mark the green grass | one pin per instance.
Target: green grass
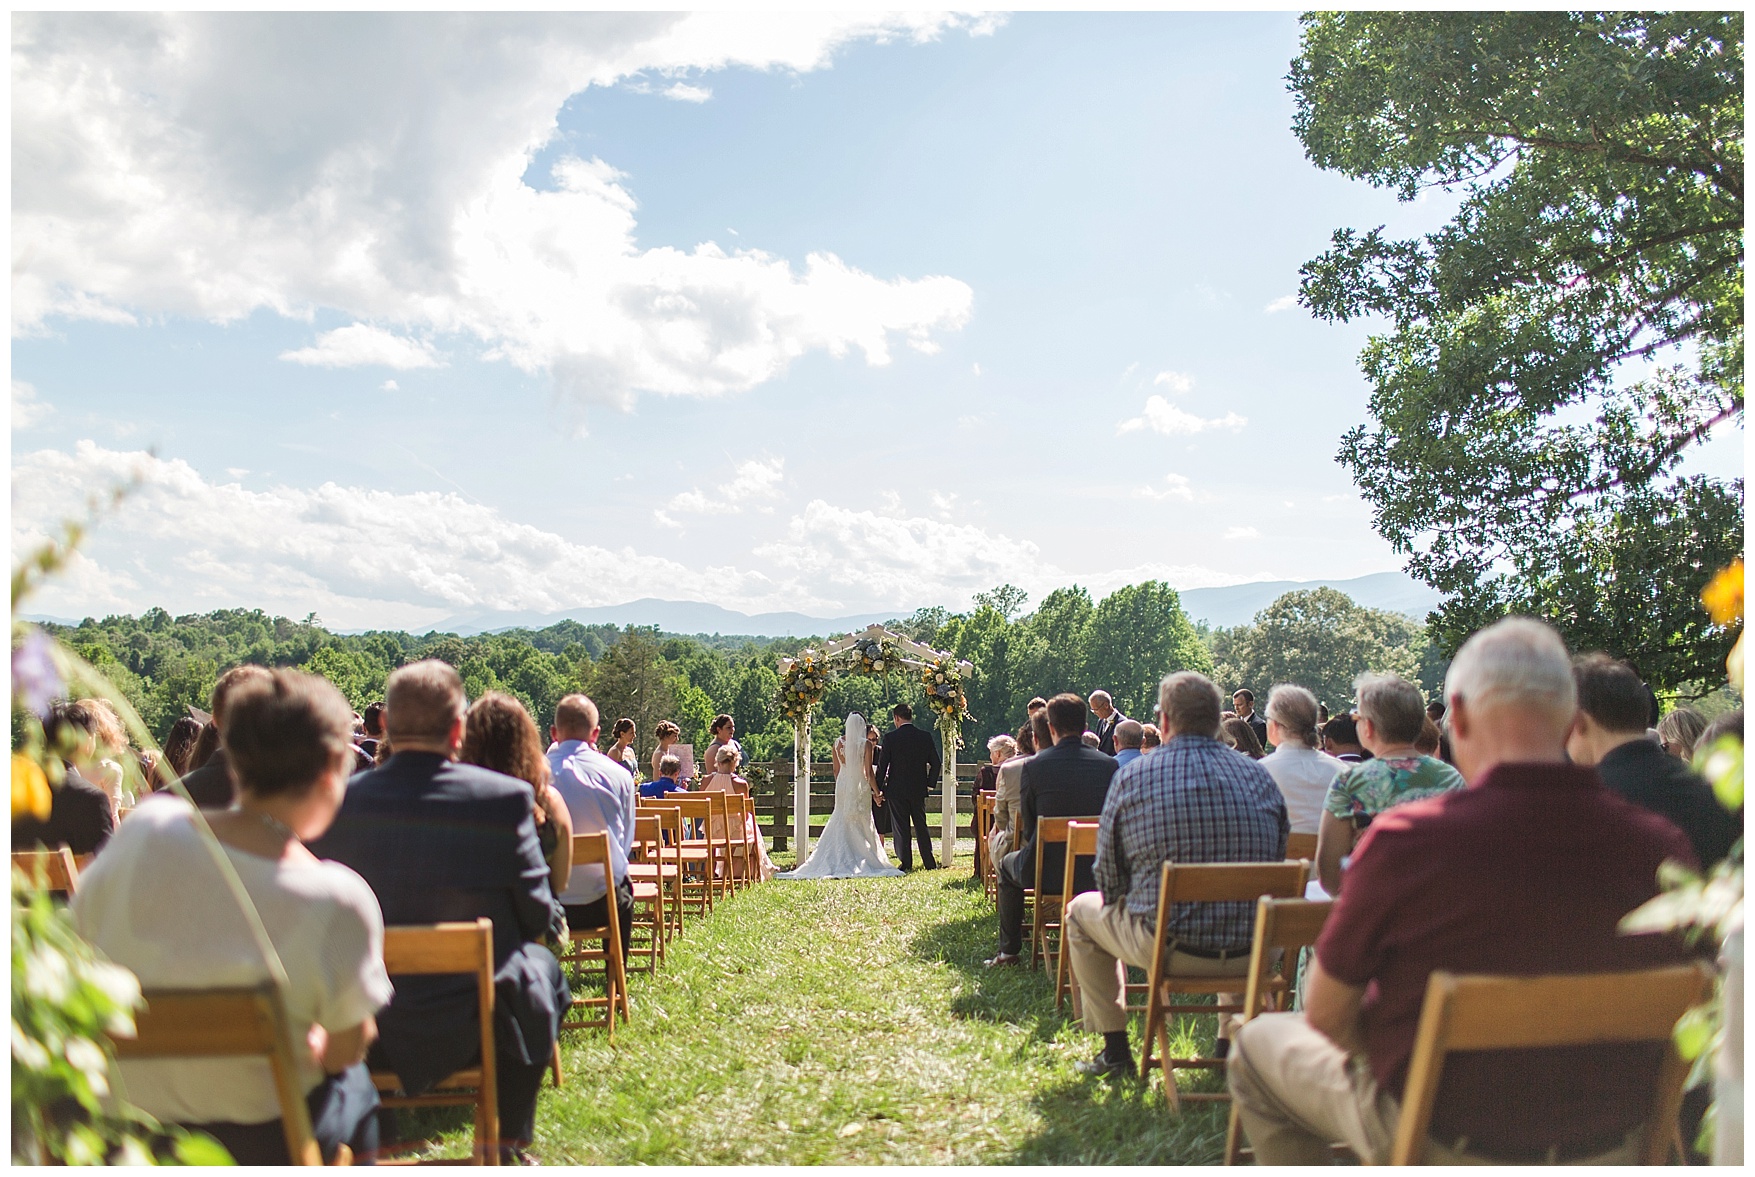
(851, 1022)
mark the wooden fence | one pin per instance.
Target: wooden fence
(771, 785)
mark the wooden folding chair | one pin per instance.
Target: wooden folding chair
(1045, 919)
(593, 850)
(1525, 1013)
(646, 876)
(669, 856)
(1081, 842)
(737, 835)
(984, 800)
(1282, 927)
(703, 848)
(239, 1022)
(1204, 882)
(53, 871)
(425, 950)
(1300, 846)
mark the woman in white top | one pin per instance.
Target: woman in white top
(158, 903)
(1303, 773)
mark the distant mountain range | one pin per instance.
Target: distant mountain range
(1237, 604)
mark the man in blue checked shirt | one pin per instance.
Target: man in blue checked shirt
(1192, 800)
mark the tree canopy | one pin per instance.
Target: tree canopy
(1558, 349)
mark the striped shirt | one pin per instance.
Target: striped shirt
(1192, 800)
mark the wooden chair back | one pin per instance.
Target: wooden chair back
(700, 809)
(1046, 916)
(462, 947)
(984, 802)
(1301, 846)
(1517, 1013)
(693, 857)
(244, 1021)
(593, 850)
(1081, 842)
(53, 871)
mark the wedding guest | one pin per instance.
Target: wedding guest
(210, 783)
(1036, 703)
(1105, 717)
(1390, 717)
(1243, 702)
(1321, 715)
(1429, 741)
(154, 772)
(206, 744)
(724, 733)
(372, 719)
(1193, 800)
(1528, 871)
(622, 751)
(1089, 739)
(1679, 732)
(1728, 724)
(1010, 784)
(155, 903)
(1129, 734)
(599, 793)
(665, 783)
(500, 735)
(103, 767)
(1340, 739)
(179, 743)
(725, 779)
(1609, 734)
(437, 841)
(80, 815)
(1303, 773)
(1000, 749)
(1069, 778)
(1025, 739)
(667, 734)
(1237, 733)
(1150, 738)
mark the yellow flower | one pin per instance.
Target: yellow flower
(1723, 598)
(30, 789)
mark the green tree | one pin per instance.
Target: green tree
(1137, 635)
(351, 671)
(634, 681)
(1558, 349)
(1061, 627)
(1320, 639)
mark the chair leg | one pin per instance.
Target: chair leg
(554, 1062)
(1234, 1138)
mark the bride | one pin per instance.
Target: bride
(850, 847)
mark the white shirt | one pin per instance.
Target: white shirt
(156, 902)
(599, 793)
(1304, 775)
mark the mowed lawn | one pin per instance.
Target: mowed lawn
(851, 1022)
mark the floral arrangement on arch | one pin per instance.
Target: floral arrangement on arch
(875, 656)
(943, 684)
(802, 685)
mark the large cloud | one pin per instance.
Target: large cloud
(212, 165)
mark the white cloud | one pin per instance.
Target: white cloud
(683, 92)
(1160, 416)
(1242, 533)
(1284, 303)
(361, 345)
(753, 480)
(27, 407)
(975, 368)
(389, 386)
(183, 164)
(1174, 381)
(1176, 486)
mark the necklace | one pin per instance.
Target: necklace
(275, 824)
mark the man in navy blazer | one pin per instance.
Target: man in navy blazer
(437, 841)
(907, 764)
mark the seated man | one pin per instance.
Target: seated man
(1610, 734)
(666, 784)
(80, 815)
(1340, 739)
(1068, 779)
(1129, 735)
(1193, 800)
(1528, 870)
(438, 841)
(211, 786)
(599, 793)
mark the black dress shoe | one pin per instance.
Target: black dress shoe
(1105, 1067)
(1004, 960)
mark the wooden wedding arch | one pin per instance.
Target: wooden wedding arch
(875, 651)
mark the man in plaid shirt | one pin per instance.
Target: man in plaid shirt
(1193, 800)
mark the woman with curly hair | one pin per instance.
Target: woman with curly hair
(499, 734)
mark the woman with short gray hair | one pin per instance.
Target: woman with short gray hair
(1302, 771)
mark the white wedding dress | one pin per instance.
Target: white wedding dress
(850, 847)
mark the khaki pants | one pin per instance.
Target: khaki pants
(1296, 1092)
(1102, 938)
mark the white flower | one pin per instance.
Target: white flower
(938, 678)
(878, 665)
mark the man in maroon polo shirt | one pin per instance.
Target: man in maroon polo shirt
(1527, 871)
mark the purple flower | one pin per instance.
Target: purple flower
(35, 681)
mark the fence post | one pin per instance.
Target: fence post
(780, 795)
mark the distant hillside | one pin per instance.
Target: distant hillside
(1237, 604)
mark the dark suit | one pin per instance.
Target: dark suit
(79, 816)
(907, 765)
(438, 841)
(1651, 778)
(1258, 725)
(1105, 730)
(211, 786)
(1067, 780)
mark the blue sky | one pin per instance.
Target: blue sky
(483, 328)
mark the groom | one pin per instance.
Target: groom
(907, 764)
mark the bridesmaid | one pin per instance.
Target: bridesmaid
(668, 733)
(623, 750)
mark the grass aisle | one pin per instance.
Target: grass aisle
(850, 1021)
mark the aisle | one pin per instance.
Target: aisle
(850, 1022)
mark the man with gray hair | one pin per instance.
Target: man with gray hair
(1527, 871)
(1193, 800)
(1106, 717)
(1129, 734)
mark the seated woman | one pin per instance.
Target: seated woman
(499, 734)
(725, 780)
(156, 901)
